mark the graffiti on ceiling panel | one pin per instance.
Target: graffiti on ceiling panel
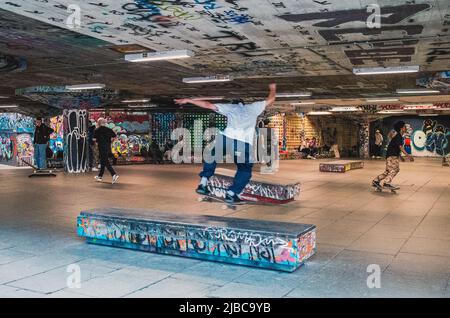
(264, 30)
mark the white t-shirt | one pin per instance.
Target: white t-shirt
(241, 119)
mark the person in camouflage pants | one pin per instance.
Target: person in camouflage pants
(394, 149)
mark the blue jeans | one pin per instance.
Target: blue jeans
(243, 161)
(40, 156)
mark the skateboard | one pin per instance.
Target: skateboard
(380, 189)
(39, 172)
(226, 205)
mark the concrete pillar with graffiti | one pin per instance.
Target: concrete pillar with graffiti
(76, 150)
(364, 140)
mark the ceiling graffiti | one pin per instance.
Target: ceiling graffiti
(9, 63)
(260, 37)
(304, 44)
(62, 98)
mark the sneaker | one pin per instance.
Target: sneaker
(232, 199)
(390, 187)
(115, 178)
(94, 169)
(98, 179)
(201, 189)
(376, 184)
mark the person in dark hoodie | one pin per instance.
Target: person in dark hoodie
(103, 136)
(41, 138)
(394, 149)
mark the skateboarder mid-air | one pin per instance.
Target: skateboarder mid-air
(240, 132)
(394, 149)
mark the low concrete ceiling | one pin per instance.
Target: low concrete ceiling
(299, 44)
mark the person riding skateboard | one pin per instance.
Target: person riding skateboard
(394, 149)
(240, 133)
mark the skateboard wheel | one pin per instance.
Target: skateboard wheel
(224, 207)
(200, 199)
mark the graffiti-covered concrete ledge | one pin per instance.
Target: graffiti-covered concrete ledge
(340, 166)
(271, 245)
(269, 189)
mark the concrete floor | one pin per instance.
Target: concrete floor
(407, 235)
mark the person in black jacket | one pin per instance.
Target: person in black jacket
(41, 138)
(103, 136)
(394, 149)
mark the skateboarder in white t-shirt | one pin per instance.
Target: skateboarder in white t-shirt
(240, 132)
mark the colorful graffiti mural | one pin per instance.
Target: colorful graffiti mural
(6, 147)
(132, 143)
(25, 149)
(57, 138)
(425, 137)
(15, 122)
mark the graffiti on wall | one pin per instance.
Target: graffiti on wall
(14, 122)
(57, 137)
(25, 149)
(132, 143)
(76, 141)
(6, 147)
(425, 137)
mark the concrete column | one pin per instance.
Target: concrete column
(76, 149)
(364, 141)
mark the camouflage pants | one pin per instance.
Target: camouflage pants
(392, 169)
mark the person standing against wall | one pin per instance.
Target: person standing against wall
(378, 143)
(41, 138)
(335, 145)
(103, 136)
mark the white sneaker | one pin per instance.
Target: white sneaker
(115, 178)
(94, 169)
(98, 179)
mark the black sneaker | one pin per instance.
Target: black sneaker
(376, 184)
(390, 187)
(201, 189)
(232, 198)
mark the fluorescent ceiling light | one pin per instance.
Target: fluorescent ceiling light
(345, 109)
(319, 113)
(426, 115)
(158, 56)
(417, 91)
(385, 70)
(208, 79)
(85, 86)
(301, 104)
(300, 94)
(419, 106)
(392, 111)
(9, 106)
(136, 101)
(6, 97)
(208, 98)
(381, 100)
(143, 106)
